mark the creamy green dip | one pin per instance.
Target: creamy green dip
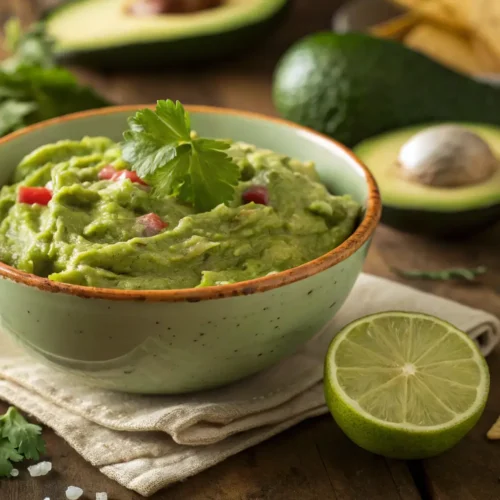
(89, 233)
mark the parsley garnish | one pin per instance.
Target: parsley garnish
(32, 87)
(18, 440)
(160, 148)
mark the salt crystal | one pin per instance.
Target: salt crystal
(101, 496)
(73, 493)
(46, 498)
(40, 469)
(14, 473)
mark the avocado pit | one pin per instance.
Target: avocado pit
(446, 156)
(141, 8)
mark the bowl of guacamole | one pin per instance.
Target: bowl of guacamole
(172, 249)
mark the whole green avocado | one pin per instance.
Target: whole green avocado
(354, 86)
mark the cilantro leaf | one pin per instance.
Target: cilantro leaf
(13, 113)
(18, 440)
(22, 435)
(160, 148)
(32, 87)
(55, 91)
(212, 188)
(8, 454)
(33, 48)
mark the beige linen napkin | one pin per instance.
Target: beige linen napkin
(146, 443)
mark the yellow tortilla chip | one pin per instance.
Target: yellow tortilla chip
(394, 28)
(494, 432)
(446, 47)
(488, 26)
(485, 56)
(455, 14)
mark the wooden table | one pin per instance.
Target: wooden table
(314, 460)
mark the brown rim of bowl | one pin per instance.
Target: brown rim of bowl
(338, 254)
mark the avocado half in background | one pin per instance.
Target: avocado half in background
(439, 180)
(149, 33)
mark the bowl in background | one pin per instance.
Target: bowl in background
(174, 341)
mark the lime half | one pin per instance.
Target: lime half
(405, 385)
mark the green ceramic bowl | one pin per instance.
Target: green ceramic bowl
(177, 341)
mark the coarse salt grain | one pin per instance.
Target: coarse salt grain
(73, 493)
(14, 473)
(40, 469)
(101, 496)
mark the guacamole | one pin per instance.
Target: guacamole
(75, 213)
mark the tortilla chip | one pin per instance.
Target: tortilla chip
(395, 28)
(446, 47)
(455, 14)
(485, 56)
(494, 432)
(488, 26)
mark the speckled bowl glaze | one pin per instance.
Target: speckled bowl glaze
(176, 341)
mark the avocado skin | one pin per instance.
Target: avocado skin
(441, 224)
(354, 86)
(161, 53)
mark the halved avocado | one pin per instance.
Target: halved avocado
(422, 208)
(107, 33)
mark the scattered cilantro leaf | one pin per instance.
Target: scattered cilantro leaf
(18, 440)
(22, 435)
(160, 148)
(32, 87)
(8, 454)
(468, 274)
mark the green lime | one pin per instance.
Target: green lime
(405, 385)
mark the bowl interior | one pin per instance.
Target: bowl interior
(337, 167)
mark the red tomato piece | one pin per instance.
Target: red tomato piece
(32, 195)
(107, 173)
(128, 174)
(110, 173)
(257, 194)
(153, 224)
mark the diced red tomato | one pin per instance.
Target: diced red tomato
(128, 174)
(153, 224)
(257, 194)
(32, 195)
(110, 173)
(107, 173)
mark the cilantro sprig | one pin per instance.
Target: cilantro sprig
(160, 147)
(18, 440)
(32, 87)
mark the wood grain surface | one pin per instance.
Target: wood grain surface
(314, 460)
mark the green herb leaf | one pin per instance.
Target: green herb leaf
(13, 113)
(32, 87)
(468, 274)
(18, 440)
(33, 48)
(22, 435)
(8, 454)
(160, 148)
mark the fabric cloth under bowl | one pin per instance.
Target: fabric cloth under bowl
(148, 442)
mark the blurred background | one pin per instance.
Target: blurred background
(242, 80)
(238, 72)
